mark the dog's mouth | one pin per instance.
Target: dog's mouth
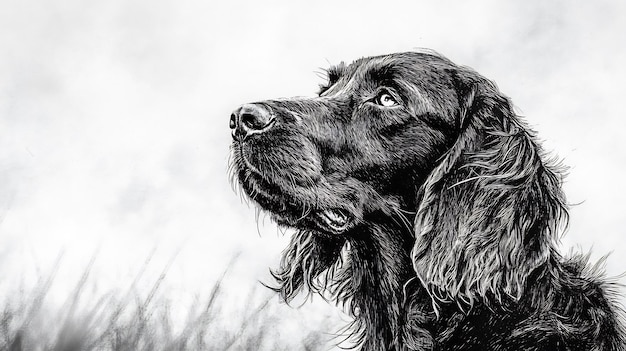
(286, 210)
(292, 207)
(334, 219)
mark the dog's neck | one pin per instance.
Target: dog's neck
(373, 279)
(379, 271)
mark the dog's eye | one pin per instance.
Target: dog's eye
(385, 99)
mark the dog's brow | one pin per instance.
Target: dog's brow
(382, 74)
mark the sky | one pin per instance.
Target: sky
(114, 120)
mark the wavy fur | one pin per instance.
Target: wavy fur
(446, 213)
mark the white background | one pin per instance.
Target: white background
(114, 119)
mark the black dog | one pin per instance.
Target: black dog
(426, 207)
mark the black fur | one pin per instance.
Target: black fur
(425, 206)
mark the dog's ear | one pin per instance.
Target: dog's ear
(489, 213)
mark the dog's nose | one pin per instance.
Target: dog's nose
(250, 119)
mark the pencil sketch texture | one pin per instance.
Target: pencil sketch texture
(425, 207)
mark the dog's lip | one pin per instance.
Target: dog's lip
(335, 218)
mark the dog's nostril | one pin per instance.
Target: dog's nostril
(250, 119)
(233, 121)
(254, 117)
(253, 122)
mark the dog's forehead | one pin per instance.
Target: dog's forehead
(423, 79)
(426, 78)
(409, 66)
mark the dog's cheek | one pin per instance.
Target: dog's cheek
(288, 160)
(301, 160)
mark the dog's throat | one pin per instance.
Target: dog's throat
(379, 265)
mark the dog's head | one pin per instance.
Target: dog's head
(363, 145)
(411, 135)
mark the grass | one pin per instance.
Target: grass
(133, 320)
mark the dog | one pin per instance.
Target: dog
(426, 207)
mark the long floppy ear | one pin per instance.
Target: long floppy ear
(490, 211)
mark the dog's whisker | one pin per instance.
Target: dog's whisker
(403, 220)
